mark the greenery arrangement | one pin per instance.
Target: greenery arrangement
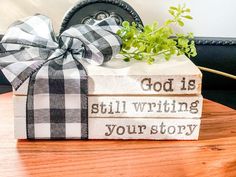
(145, 43)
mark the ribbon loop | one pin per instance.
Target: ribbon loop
(34, 41)
(34, 31)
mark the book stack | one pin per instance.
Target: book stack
(136, 100)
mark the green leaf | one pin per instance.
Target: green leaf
(126, 59)
(125, 24)
(187, 10)
(150, 60)
(137, 57)
(168, 22)
(149, 49)
(188, 17)
(119, 32)
(147, 28)
(142, 48)
(167, 56)
(180, 22)
(172, 12)
(173, 8)
(134, 24)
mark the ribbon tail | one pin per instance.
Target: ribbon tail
(61, 88)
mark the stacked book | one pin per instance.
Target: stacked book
(137, 101)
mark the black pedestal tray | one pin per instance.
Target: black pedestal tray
(84, 10)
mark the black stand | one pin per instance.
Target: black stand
(85, 10)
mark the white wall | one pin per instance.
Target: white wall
(216, 18)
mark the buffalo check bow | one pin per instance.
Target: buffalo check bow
(57, 103)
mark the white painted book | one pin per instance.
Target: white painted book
(126, 106)
(129, 128)
(179, 76)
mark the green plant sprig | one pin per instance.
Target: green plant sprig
(145, 43)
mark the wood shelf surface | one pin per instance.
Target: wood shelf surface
(213, 155)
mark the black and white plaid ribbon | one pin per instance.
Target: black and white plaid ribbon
(57, 106)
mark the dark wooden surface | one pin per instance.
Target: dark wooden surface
(213, 155)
